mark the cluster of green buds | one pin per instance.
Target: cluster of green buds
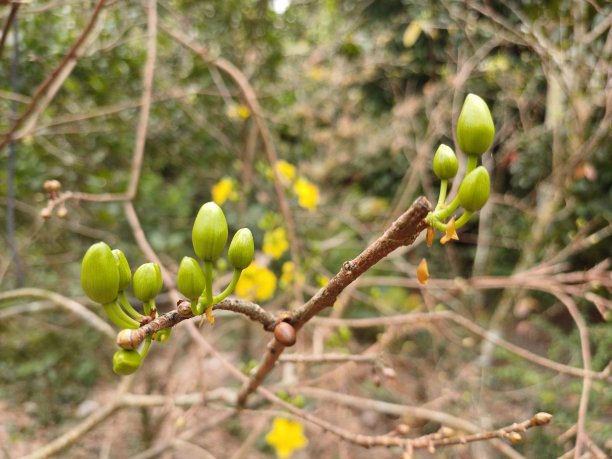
(105, 275)
(475, 133)
(209, 237)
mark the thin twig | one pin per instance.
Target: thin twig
(62, 301)
(70, 57)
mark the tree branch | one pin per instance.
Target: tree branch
(402, 232)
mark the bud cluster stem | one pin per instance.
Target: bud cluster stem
(230, 288)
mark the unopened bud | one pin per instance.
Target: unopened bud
(45, 213)
(125, 274)
(62, 212)
(445, 163)
(241, 249)
(127, 339)
(209, 233)
(190, 280)
(475, 128)
(126, 362)
(147, 282)
(99, 274)
(541, 418)
(475, 189)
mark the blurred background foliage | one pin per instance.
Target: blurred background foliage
(358, 95)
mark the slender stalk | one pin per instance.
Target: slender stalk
(125, 304)
(463, 219)
(145, 348)
(230, 288)
(442, 196)
(443, 214)
(118, 316)
(208, 283)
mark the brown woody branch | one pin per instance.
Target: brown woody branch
(133, 338)
(402, 232)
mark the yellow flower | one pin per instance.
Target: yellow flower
(307, 193)
(286, 436)
(288, 272)
(256, 283)
(286, 170)
(238, 112)
(223, 190)
(275, 243)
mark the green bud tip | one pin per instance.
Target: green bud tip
(242, 249)
(147, 282)
(190, 281)
(126, 362)
(99, 274)
(209, 233)
(445, 163)
(125, 274)
(475, 189)
(475, 128)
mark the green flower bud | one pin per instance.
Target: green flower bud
(147, 282)
(475, 189)
(125, 274)
(241, 249)
(190, 281)
(445, 163)
(99, 274)
(126, 362)
(475, 128)
(209, 233)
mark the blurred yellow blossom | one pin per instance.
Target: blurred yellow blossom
(289, 273)
(322, 280)
(238, 112)
(223, 190)
(307, 193)
(286, 170)
(286, 436)
(256, 283)
(275, 243)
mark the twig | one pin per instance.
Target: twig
(329, 358)
(60, 300)
(7, 25)
(183, 312)
(145, 106)
(415, 318)
(402, 232)
(68, 60)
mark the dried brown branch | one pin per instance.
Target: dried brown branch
(7, 25)
(402, 232)
(69, 59)
(62, 301)
(416, 318)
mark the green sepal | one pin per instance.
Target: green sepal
(147, 282)
(445, 162)
(209, 234)
(475, 128)
(475, 189)
(126, 362)
(241, 249)
(190, 280)
(125, 274)
(99, 274)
